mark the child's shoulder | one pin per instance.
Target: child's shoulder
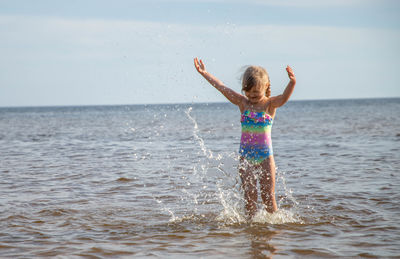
(270, 109)
(243, 105)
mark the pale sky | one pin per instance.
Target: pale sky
(93, 52)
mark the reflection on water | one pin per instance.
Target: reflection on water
(261, 244)
(101, 182)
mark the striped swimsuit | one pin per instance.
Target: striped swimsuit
(256, 144)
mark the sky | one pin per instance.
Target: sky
(100, 52)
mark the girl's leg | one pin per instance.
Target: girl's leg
(249, 186)
(267, 184)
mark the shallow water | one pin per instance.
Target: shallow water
(161, 181)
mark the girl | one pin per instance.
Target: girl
(258, 110)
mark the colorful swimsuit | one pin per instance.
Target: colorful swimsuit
(255, 144)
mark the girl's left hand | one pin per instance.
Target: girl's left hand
(291, 74)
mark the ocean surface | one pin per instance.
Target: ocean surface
(161, 181)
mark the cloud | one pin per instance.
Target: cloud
(287, 3)
(312, 3)
(89, 61)
(102, 38)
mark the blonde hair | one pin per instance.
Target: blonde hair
(256, 75)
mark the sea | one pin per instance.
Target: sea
(161, 181)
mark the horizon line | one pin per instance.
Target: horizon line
(186, 103)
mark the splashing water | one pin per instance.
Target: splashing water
(203, 147)
(219, 171)
(122, 182)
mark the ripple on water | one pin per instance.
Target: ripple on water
(92, 187)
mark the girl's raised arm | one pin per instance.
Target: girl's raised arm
(231, 95)
(278, 101)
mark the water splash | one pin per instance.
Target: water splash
(167, 209)
(214, 182)
(281, 216)
(287, 196)
(203, 147)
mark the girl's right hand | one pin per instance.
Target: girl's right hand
(291, 75)
(199, 66)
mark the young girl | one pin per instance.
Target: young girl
(258, 110)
